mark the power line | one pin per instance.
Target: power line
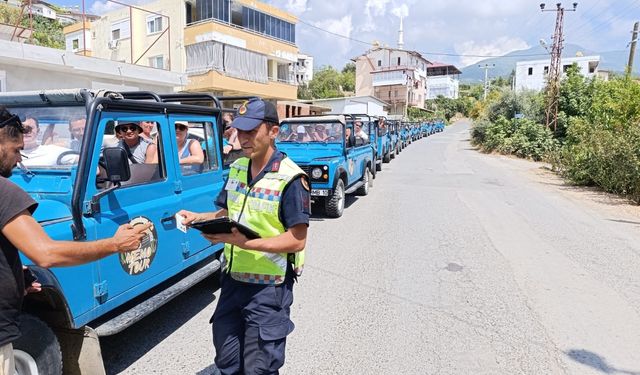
(434, 53)
(421, 52)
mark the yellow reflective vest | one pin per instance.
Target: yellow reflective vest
(258, 207)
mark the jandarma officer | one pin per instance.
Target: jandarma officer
(269, 193)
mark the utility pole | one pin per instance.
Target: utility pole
(486, 68)
(632, 52)
(555, 73)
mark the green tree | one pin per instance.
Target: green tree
(326, 83)
(348, 78)
(46, 32)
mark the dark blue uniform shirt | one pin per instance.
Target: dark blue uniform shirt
(295, 205)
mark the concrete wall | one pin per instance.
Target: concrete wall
(20, 78)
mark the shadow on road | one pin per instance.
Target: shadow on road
(123, 349)
(592, 359)
(318, 213)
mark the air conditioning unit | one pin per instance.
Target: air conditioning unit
(113, 44)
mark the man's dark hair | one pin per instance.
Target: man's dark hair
(10, 125)
(32, 117)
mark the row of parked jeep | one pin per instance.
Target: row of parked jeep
(85, 194)
(343, 153)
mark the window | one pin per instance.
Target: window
(379, 62)
(75, 43)
(196, 145)
(120, 30)
(146, 159)
(546, 70)
(398, 61)
(156, 62)
(530, 71)
(565, 68)
(154, 24)
(395, 93)
(211, 9)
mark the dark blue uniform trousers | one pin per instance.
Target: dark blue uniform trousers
(250, 326)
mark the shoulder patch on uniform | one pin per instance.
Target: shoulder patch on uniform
(275, 166)
(305, 183)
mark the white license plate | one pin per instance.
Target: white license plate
(319, 192)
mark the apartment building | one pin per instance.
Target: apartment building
(532, 75)
(241, 47)
(149, 35)
(226, 47)
(303, 69)
(393, 75)
(442, 80)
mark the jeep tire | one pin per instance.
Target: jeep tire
(37, 351)
(334, 204)
(387, 157)
(366, 179)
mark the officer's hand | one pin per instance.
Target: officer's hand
(189, 217)
(234, 238)
(128, 237)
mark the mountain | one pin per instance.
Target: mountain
(614, 61)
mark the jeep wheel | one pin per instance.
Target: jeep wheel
(366, 179)
(378, 167)
(334, 205)
(387, 157)
(37, 351)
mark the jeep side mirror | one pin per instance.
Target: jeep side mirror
(116, 164)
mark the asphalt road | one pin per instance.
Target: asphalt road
(456, 263)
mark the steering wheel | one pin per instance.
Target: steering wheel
(65, 154)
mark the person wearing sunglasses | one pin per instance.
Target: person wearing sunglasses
(45, 155)
(189, 150)
(138, 149)
(19, 230)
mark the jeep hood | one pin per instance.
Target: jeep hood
(310, 153)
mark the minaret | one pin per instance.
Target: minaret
(401, 36)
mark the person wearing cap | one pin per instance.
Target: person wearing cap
(19, 230)
(139, 149)
(267, 192)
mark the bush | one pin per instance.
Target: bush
(609, 158)
(523, 138)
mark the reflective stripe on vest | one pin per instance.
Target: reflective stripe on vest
(258, 208)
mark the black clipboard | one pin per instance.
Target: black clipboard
(223, 225)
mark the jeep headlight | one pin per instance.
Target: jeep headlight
(316, 173)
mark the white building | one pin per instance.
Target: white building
(27, 67)
(532, 75)
(303, 69)
(369, 105)
(442, 80)
(43, 9)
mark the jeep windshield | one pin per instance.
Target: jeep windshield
(53, 137)
(311, 133)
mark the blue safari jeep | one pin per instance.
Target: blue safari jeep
(86, 187)
(383, 142)
(337, 160)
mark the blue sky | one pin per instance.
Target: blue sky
(452, 31)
